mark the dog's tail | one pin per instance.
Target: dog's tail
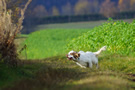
(99, 51)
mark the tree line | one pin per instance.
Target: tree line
(81, 7)
(52, 11)
(77, 18)
(45, 8)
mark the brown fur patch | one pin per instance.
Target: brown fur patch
(75, 54)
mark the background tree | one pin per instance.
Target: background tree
(15, 6)
(55, 11)
(82, 7)
(132, 5)
(108, 8)
(95, 6)
(40, 11)
(124, 5)
(67, 9)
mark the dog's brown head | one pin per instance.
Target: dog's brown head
(75, 55)
(72, 55)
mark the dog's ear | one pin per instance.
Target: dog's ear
(78, 54)
(75, 54)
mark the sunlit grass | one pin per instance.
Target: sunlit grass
(50, 42)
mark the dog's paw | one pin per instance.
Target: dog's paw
(103, 48)
(83, 67)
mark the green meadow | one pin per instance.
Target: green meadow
(118, 36)
(50, 42)
(48, 68)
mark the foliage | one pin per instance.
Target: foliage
(8, 32)
(51, 42)
(117, 36)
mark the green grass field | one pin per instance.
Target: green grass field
(50, 42)
(48, 67)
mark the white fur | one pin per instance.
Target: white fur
(86, 58)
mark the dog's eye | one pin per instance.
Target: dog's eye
(75, 56)
(71, 53)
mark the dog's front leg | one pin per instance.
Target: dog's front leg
(90, 64)
(80, 65)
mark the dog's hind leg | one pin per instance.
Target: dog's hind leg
(97, 66)
(90, 64)
(87, 64)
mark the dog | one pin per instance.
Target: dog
(85, 59)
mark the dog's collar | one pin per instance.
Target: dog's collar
(78, 58)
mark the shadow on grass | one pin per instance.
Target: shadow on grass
(47, 78)
(58, 73)
(52, 74)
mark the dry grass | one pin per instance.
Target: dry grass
(8, 32)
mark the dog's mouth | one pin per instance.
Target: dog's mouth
(69, 58)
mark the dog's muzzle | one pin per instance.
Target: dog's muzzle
(69, 58)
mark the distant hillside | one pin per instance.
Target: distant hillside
(50, 3)
(61, 11)
(43, 8)
(62, 5)
(59, 3)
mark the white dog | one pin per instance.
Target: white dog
(85, 59)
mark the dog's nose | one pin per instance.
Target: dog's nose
(67, 55)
